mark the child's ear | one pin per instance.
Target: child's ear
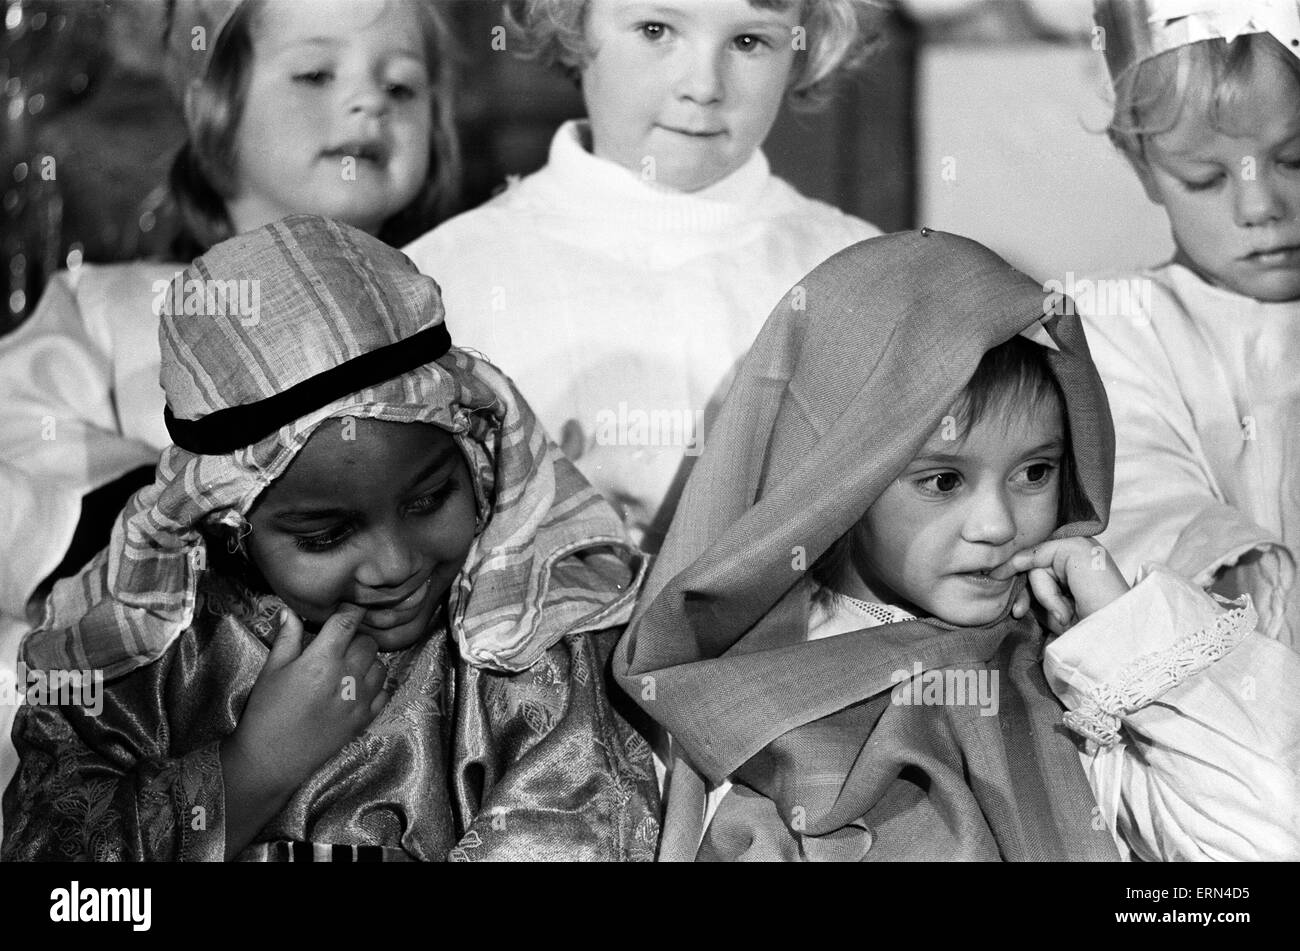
(572, 67)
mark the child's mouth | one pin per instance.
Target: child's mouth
(400, 612)
(983, 579)
(362, 151)
(695, 133)
(1285, 256)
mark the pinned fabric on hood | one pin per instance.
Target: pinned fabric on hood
(263, 319)
(833, 401)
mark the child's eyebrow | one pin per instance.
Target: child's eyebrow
(638, 10)
(440, 461)
(312, 515)
(333, 42)
(758, 16)
(1192, 156)
(1193, 152)
(938, 458)
(324, 42)
(1053, 445)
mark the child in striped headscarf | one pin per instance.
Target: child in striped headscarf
(363, 611)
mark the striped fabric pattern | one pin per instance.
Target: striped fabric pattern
(550, 557)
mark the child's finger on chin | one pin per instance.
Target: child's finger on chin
(1048, 593)
(1020, 606)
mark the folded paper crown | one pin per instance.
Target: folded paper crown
(1136, 30)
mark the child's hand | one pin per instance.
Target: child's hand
(1071, 577)
(306, 704)
(299, 713)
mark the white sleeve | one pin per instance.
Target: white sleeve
(59, 437)
(1167, 506)
(1193, 722)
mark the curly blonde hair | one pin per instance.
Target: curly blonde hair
(842, 34)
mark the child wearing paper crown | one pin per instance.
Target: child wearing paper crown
(363, 611)
(1200, 367)
(860, 677)
(619, 285)
(340, 109)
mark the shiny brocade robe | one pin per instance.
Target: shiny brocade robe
(462, 764)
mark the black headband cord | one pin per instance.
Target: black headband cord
(235, 427)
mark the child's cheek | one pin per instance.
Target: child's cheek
(311, 584)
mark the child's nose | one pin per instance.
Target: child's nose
(1258, 200)
(390, 560)
(990, 519)
(700, 79)
(366, 97)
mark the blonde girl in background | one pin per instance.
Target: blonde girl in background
(620, 284)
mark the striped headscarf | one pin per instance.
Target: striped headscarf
(276, 319)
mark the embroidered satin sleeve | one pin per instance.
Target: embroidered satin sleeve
(547, 769)
(70, 802)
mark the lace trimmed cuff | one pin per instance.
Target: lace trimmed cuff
(1151, 676)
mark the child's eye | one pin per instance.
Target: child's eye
(312, 77)
(401, 91)
(749, 43)
(432, 502)
(1038, 474)
(653, 31)
(322, 541)
(941, 483)
(1203, 185)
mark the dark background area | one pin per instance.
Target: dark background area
(88, 130)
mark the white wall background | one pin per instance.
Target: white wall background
(1033, 175)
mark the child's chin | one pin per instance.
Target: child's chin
(399, 638)
(1272, 288)
(1270, 285)
(964, 613)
